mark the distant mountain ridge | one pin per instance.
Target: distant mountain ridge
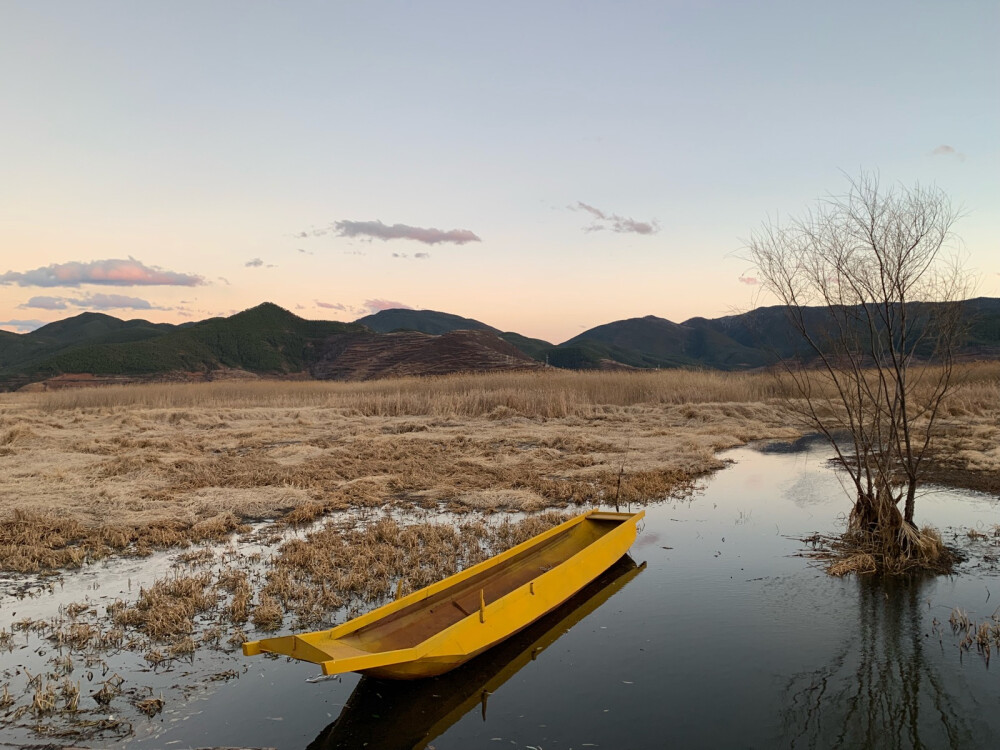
(750, 340)
(270, 341)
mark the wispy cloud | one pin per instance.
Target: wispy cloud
(112, 272)
(603, 221)
(91, 302)
(224, 280)
(22, 326)
(368, 307)
(377, 305)
(376, 230)
(333, 306)
(421, 256)
(948, 151)
(255, 263)
(46, 303)
(749, 280)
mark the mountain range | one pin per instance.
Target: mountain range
(268, 340)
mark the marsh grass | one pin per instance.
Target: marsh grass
(131, 469)
(168, 607)
(351, 570)
(868, 554)
(983, 635)
(529, 394)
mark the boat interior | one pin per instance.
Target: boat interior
(419, 621)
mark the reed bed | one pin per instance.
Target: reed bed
(549, 394)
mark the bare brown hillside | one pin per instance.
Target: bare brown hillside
(368, 356)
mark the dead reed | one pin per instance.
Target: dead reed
(533, 394)
(354, 569)
(870, 553)
(984, 635)
(168, 607)
(150, 706)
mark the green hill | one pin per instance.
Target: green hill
(264, 339)
(657, 342)
(20, 352)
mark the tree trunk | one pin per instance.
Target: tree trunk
(911, 494)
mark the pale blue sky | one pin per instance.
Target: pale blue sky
(197, 137)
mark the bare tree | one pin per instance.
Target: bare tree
(876, 297)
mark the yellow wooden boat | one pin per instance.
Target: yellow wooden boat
(437, 628)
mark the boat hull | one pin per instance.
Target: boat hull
(436, 629)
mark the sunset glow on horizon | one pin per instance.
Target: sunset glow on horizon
(541, 168)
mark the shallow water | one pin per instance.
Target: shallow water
(725, 638)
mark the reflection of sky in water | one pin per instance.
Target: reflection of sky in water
(728, 639)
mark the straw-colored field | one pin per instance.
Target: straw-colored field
(92, 472)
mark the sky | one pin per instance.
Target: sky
(543, 167)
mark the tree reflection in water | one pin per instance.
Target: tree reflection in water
(881, 690)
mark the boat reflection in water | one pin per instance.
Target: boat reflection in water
(395, 715)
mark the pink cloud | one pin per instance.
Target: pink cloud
(377, 305)
(749, 280)
(614, 222)
(112, 272)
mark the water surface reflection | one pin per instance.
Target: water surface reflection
(880, 690)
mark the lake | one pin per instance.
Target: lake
(715, 632)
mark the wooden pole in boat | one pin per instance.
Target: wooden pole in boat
(482, 606)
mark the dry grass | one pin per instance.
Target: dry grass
(529, 394)
(912, 552)
(127, 469)
(858, 563)
(150, 706)
(357, 568)
(168, 607)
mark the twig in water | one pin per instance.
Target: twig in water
(621, 472)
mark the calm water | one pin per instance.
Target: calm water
(712, 634)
